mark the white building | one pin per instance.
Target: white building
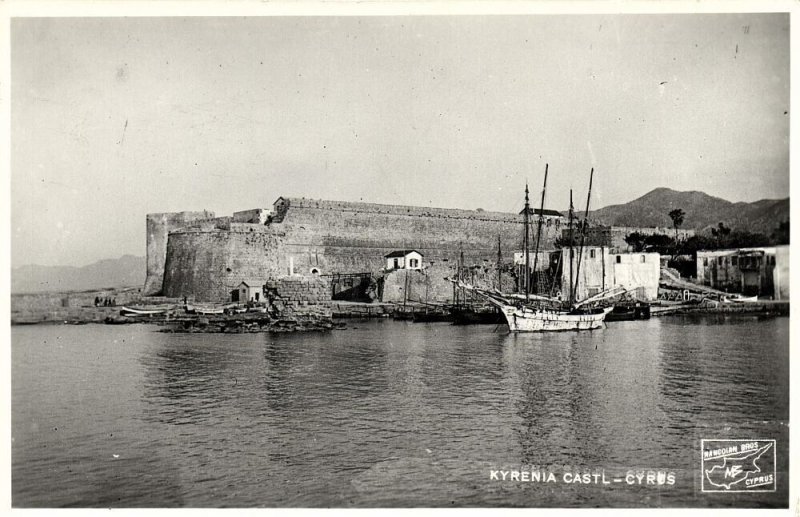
(250, 290)
(404, 259)
(600, 269)
(762, 271)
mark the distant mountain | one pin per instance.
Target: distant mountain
(703, 212)
(126, 271)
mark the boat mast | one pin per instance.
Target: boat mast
(499, 260)
(461, 268)
(571, 291)
(526, 245)
(539, 227)
(462, 294)
(583, 228)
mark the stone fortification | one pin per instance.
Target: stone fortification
(300, 298)
(430, 285)
(158, 227)
(208, 258)
(208, 263)
(338, 237)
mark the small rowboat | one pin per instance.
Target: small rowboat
(142, 311)
(194, 309)
(738, 298)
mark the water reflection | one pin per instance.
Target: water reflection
(185, 382)
(384, 413)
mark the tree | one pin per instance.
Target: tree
(636, 241)
(677, 216)
(781, 233)
(720, 231)
(660, 243)
(563, 242)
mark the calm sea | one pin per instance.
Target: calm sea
(392, 413)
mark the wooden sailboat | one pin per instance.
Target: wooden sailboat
(538, 313)
(476, 312)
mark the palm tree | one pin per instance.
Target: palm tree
(677, 216)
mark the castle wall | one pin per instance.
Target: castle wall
(210, 258)
(207, 264)
(294, 297)
(158, 227)
(348, 238)
(253, 216)
(614, 236)
(430, 285)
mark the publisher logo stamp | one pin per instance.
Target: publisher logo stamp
(738, 465)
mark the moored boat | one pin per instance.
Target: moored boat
(469, 315)
(144, 311)
(528, 319)
(542, 313)
(628, 312)
(738, 298)
(431, 316)
(205, 311)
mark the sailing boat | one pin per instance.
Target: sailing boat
(478, 312)
(538, 313)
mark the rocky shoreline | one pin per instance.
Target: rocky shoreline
(240, 324)
(281, 316)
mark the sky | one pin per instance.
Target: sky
(114, 118)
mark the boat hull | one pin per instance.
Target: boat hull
(473, 317)
(624, 313)
(135, 311)
(522, 319)
(431, 317)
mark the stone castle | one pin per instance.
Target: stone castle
(200, 256)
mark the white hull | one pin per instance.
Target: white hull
(739, 299)
(208, 312)
(523, 319)
(132, 311)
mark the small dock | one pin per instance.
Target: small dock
(766, 307)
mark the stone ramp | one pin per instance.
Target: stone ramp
(671, 279)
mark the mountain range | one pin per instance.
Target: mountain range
(126, 271)
(703, 212)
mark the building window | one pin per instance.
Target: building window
(735, 261)
(591, 253)
(642, 258)
(412, 262)
(619, 259)
(705, 261)
(719, 261)
(396, 263)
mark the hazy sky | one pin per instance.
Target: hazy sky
(113, 118)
